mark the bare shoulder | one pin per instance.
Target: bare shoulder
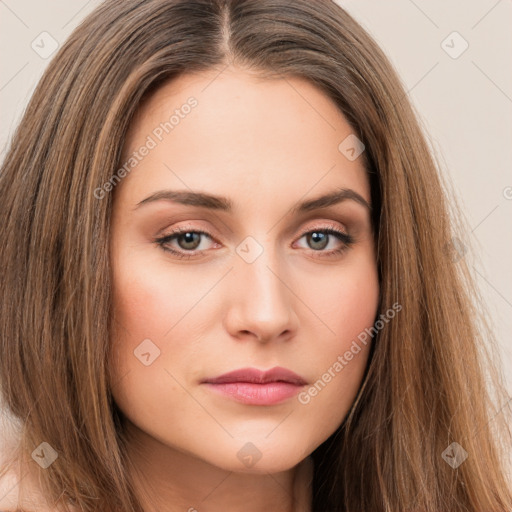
(10, 481)
(9, 490)
(33, 500)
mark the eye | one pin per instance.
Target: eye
(189, 240)
(318, 239)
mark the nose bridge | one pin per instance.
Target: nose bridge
(263, 302)
(257, 265)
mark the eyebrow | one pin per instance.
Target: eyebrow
(221, 203)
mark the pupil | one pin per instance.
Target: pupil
(189, 239)
(315, 236)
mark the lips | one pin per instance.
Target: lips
(255, 376)
(251, 386)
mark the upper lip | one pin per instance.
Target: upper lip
(276, 374)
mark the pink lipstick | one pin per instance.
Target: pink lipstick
(255, 387)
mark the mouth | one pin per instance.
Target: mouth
(255, 387)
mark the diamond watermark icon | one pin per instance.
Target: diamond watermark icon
(44, 45)
(351, 147)
(454, 455)
(146, 352)
(249, 455)
(44, 455)
(455, 249)
(249, 249)
(454, 45)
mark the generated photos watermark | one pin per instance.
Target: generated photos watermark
(305, 396)
(152, 141)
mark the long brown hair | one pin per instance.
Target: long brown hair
(431, 378)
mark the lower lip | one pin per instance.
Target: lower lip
(256, 394)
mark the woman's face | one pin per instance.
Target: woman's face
(265, 286)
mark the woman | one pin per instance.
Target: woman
(315, 348)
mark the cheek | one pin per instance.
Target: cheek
(148, 301)
(142, 310)
(150, 297)
(346, 300)
(153, 301)
(349, 310)
(352, 307)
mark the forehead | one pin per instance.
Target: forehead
(260, 138)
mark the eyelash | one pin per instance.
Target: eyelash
(345, 238)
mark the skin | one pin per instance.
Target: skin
(266, 145)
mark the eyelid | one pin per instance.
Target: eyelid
(328, 225)
(187, 228)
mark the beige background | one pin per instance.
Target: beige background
(465, 104)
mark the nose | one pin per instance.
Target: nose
(261, 302)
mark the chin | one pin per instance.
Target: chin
(260, 456)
